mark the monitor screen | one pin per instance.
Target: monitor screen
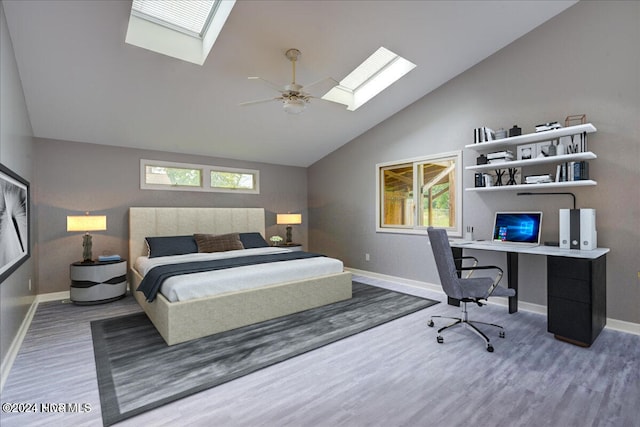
(517, 227)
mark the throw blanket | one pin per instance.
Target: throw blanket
(153, 280)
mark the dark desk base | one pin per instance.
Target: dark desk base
(576, 298)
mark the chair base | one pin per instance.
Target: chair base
(468, 324)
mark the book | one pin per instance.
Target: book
(500, 154)
(103, 258)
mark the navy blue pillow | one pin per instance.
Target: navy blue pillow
(171, 245)
(253, 240)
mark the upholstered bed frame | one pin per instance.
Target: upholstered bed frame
(186, 320)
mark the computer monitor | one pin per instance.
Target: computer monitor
(517, 227)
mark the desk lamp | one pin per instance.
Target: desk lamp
(288, 220)
(86, 223)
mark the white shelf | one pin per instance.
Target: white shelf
(587, 155)
(533, 137)
(581, 183)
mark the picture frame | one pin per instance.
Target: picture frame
(527, 151)
(15, 223)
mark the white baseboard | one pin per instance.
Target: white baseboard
(53, 296)
(14, 348)
(613, 324)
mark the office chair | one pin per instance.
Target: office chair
(468, 289)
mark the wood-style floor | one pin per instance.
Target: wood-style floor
(392, 375)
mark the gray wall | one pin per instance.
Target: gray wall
(585, 60)
(15, 153)
(72, 178)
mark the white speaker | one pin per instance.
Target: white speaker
(578, 229)
(565, 235)
(588, 234)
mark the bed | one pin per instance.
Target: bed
(182, 321)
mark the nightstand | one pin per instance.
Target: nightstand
(98, 282)
(292, 246)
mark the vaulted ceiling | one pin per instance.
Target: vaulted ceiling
(83, 83)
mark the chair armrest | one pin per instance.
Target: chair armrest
(496, 280)
(482, 267)
(475, 262)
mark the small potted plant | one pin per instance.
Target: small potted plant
(275, 240)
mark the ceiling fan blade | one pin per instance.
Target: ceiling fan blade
(268, 83)
(260, 101)
(333, 82)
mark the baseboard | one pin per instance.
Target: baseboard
(53, 296)
(409, 282)
(623, 326)
(14, 348)
(613, 324)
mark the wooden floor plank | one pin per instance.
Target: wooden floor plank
(392, 375)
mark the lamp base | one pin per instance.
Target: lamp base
(288, 237)
(86, 249)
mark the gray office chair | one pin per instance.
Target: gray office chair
(468, 289)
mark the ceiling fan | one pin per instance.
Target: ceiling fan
(294, 97)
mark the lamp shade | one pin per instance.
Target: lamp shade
(288, 219)
(86, 223)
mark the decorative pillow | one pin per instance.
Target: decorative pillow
(253, 240)
(171, 245)
(219, 243)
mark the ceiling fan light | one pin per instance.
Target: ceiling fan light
(293, 106)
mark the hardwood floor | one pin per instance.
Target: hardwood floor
(393, 375)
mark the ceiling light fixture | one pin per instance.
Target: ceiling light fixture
(294, 105)
(375, 74)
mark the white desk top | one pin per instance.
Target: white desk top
(534, 250)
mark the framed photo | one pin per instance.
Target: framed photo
(15, 246)
(527, 151)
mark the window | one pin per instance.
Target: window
(418, 193)
(224, 179)
(160, 175)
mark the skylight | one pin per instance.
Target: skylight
(375, 74)
(189, 16)
(183, 29)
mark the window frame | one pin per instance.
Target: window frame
(205, 185)
(456, 230)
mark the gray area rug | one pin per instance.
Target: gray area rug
(137, 371)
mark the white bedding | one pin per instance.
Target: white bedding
(198, 285)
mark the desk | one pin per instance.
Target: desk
(576, 286)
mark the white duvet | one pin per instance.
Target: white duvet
(198, 285)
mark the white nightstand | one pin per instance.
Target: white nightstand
(98, 282)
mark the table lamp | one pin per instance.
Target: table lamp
(86, 223)
(288, 220)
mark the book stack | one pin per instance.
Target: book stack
(572, 171)
(538, 179)
(500, 157)
(483, 134)
(105, 258)
(548, 126)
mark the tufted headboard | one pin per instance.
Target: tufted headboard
(147, 222)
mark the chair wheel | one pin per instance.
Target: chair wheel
(439, 339)
(501, 335)
(430, 323)
(489, 348)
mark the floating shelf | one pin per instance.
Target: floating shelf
(533, 137)
(587, 155)
(548, 185)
